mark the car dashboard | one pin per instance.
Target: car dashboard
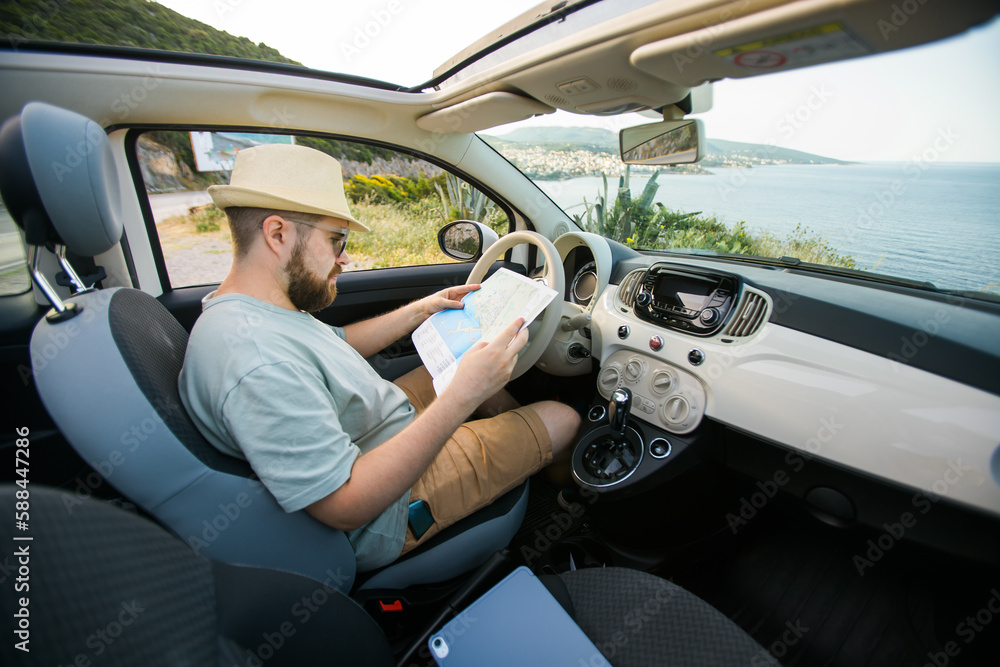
(708, 346)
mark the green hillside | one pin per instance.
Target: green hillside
(124, 23)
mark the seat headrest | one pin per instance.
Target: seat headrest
(59, 181)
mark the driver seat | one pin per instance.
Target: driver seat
(106, 364)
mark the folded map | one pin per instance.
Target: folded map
(446, 336)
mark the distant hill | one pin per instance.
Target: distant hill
(598, 140)
(743, 149)
(594, 139)
(124, 23)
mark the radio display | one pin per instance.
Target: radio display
(673, 291)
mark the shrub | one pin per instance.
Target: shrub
(644, 224)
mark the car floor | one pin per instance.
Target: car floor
(794, 585)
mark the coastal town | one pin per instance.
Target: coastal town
(544, 163)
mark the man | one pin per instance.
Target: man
(266, 381)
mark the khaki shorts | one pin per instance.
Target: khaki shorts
(483, 460)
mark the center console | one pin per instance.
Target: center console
(644, 421)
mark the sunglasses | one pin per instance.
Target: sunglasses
(339, 240)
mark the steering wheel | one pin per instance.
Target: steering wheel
(553, 277)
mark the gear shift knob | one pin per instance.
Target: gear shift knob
(618, 410)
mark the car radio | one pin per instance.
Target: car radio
(692, 300)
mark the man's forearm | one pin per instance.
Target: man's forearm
(383, 474)
(370, 336)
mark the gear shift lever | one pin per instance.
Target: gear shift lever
(609, 455)
(618, 411)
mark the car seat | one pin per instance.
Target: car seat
(115, 588)
(106, 369)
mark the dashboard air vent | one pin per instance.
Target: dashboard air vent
(752, 314)
(630, 286)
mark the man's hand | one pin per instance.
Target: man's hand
(370, 336)
(450, 298)
(486, 367)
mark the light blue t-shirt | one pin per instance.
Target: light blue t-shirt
(286, 393)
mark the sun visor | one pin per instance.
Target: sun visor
(482, 112)
(800, 35)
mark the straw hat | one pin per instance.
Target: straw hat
(288, 178)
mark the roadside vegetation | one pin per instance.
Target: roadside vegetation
(641, 223)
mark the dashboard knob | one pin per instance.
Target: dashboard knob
(696, 357)
(709, 316)
(609, 378)
(676, 409)
(662, 381)
(643, 298)
(634, 369)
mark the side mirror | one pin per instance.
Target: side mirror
(669, 142)
(466, 240)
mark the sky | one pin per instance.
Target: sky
(891, 107)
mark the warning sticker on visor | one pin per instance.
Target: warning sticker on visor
(795, 49)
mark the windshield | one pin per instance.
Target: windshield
(856, 165)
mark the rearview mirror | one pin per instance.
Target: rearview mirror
(466, 240)
(668, 142)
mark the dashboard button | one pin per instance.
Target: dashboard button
(696, 357)
(624, 331)
(660, 448)
(597, 413)
(655, 343)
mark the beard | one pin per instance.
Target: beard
(307, 291)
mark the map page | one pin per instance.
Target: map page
(502, 298)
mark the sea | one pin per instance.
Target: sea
(932, 222)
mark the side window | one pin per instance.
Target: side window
(13, 265)
(402, 199)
